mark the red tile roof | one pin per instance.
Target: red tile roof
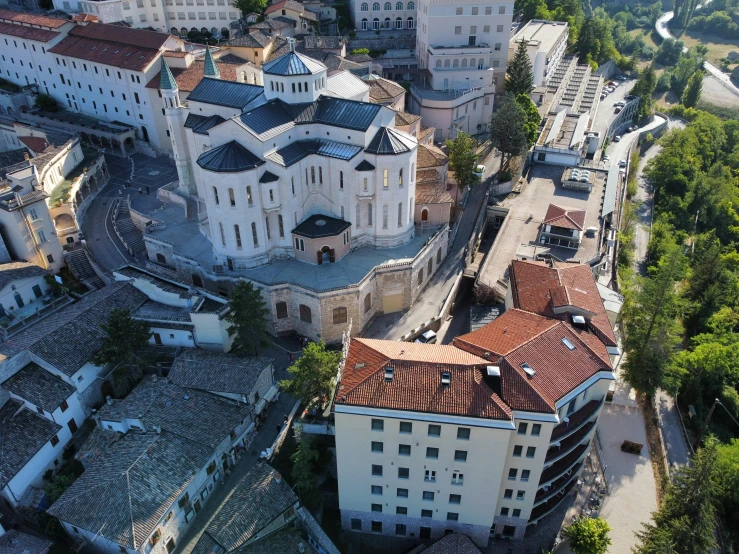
(29, 33)
(416, 383)
(85, 18)
(188, 79)
(37, 144)
(564, 218)
(536, 287)
(132, 49)
(31, 19)
(287, 4)
(432, 192)
(430, 156)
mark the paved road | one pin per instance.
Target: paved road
(661, 26)
(428, 304)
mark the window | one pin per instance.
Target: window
(530, 451)
(365, 7)
(406, 427)
(223, 235)
(377, 526)
(428, 496)
(281, 226)
(340, 315)
(369, 215)
(320, 172)
(517, 450)
(404, 450)
(400, 177)
(504, 511)
(460, 11)
(377, 490)
(356, 524)
(237, 233)
(460, 455)
(455, 499)
(403, 473)
(377, 508)
(254, 236)
(497, 46)
(522, 428)
(384, 216)
(341, 180)
(517, 512)
(401, 510)
(536, 429)
(429, 475)
(432, 453)
(402, 493)
(400, 528)
(434, 430)
(512, 474)
(378, 425)
(457, 478)
(473, 30)
(508, 493)
(384, 178)
(400, 214)
(64, 406)
(281, 309)
(377, 470)
(499, 28)
(376, 6)
(305, 313)
(420, 277)
(463, 433)
(486, 29)
(520, 495)
(501, 10)
(525, 475)
(388, 6)
(231, 197)
(368, 302)
(427, 513)
(215, 195)
(457, 30)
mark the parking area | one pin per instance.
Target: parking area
(605, 113)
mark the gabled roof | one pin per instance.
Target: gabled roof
(430, 156)
(383, 90)
(36, 144)
(39, 387)
(286, 4)
(22, 434)
(23, 19)
(565, 218)
(231, 157)
(404, 119)
(201, 124)
(292, 64)
(296, 151)
(189, 78)
(16, 542)
(217, 372)
(538, 287)
(126, 491)
(252, 39)
(29, 33)
(432, 193)
(255, 501)
(225, 93)
(364, 165)
(388, 141)
(268, 177)
(15, 271)
(416, 382)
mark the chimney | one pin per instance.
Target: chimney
(278, 478)
(492, 378)
(109, 400)
(25, 156)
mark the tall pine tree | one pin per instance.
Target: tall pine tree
(520, 78)
(508, 130)
(693, 90)
(248, 317)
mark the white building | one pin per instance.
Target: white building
(464, 48)
(294, 175)
(371, 15)
(169, 16)
(481, 437)
(546, 43)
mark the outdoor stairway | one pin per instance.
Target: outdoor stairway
(131, 236)
(81, 268)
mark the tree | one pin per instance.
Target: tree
(669, 52)
(463, 161)
(303, 471)
(533, 119)
(56, 487)
(588, 536)
(520, 77)
(358, 51)
(124, 339)
(685, 522)
(644, 88)
(588, 42)
(248, 317)
(507, 132)
(250, 6)
(46, 102)
(313, 374)
(693, 90)
(533, 9)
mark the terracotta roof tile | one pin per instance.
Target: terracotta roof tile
(32, 19)
(416, 383)
(286, 4)
(29, 33)
(37, 144)
(427, 176)
(383, 90)
(85, 18)
(430, 156)
(188, 79)
(564, 217)
(532, 285)
(432, 192)
(404, 119)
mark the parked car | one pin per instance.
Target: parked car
(605, 158)
(629, 97)
(429, 337)
(621, 77)
(617, 138)
(618, 109)
(633, 128)
(620, 103)
(479, 171)
(622, 163)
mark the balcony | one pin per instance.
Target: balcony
(556, 486)
(562, 466)
(576, 420)
(566, 445)
(543, 509)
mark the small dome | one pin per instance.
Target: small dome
(293, 63)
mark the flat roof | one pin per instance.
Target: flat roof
(517, 238)
(546, 33)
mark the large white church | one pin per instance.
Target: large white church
(301, 188)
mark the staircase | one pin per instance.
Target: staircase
(131, 236)
(81, 268)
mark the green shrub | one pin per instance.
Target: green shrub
(504, 176)
(46, 103)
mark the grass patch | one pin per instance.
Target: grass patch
(721, 112)
(71, 282)
(650, 37)
(717, 47)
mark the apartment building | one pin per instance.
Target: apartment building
(484, 436)
(370, 15)
(90, 68)
(178, 17)
(463, 47)
(546, 43)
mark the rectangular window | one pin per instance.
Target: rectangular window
(459, 11)
(460, 455)
(377, 508)
(384, 178)
(452, 516)
(517, 450)
(473, 30)
(402, 493)
(356, 524)
(377, 470)
(384, 216)
(455, 499)
(516, 513)
(377, 446)
(504, 511)
(377, 490)
(489, 10)
(231, 197)
(474, 11)
(486, 29)
(508, 493)
(525, 475)
(404, 449)
(429, 475)
(457, 478)
(463, 433)
(522, 428)
(400, 529)
(406, 427)
(378, 425)
(377, 527)
(512, 474)
(531, 452)
(434, 430)
(249, 198)
(432, 453)
(428, 496)
(458, 30)
(136, 97)
(427, 513)
(403, 472)
(401, 510)
(501, 10)
(520, 495)
(536, 429)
